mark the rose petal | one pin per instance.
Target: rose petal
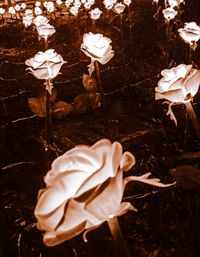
(127, 161)
(52, 238)
(106, 200)
(175, 96)
(109, 166)
(75, 221)
(192, 84)
(47, 211)
(40, 73)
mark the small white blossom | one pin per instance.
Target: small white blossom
(74, 10)
(23, 6)
(95, 14)
(2, 10)
(37, 11)
(11, 10)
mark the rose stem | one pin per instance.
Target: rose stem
(190, 54)
(100, 88)
(45, 43)
(48, 117)
(156, 3)
(167, 41)
(190, 111)
(121, 248)
(94, 25)
(121, 24)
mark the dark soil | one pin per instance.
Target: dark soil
(167, 223)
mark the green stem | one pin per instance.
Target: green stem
(121, 248)
(192, 114)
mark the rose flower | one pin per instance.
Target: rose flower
(45, 65)
(119, 8)
(98, 48)
(45, 31)
(169, 13)
(40, 20)
(95, 14)
(178, 85)
(84, 188)
(190, 33)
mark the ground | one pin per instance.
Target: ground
(167, 221)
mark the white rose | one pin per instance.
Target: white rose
(95, 14)
(37, 10)
(74, 10)
(29, 12)
(174, 3)
(45, 65)
(127, 2)
(97, 47)
(50, 7)
(190, 33)
(59, 2)
(84, 188)
(40, 20)
(38, 3)
(169, 13)
(119, 8)
(2, 10)
(68, 3)
(77, 4)
(27, 20)
(11, 10)
(179, 84)
(108, 4)
(17, 7)
(46, 30)
(23, 6)
(87, 6)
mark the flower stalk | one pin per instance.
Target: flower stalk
(121, 248)
(99, 84)
(45, 43)
(190, 54)
(121, 24)
(49, 137)
(192, 114)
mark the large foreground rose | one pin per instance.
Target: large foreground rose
(84, 188)
(178, 85)
(98, 48)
